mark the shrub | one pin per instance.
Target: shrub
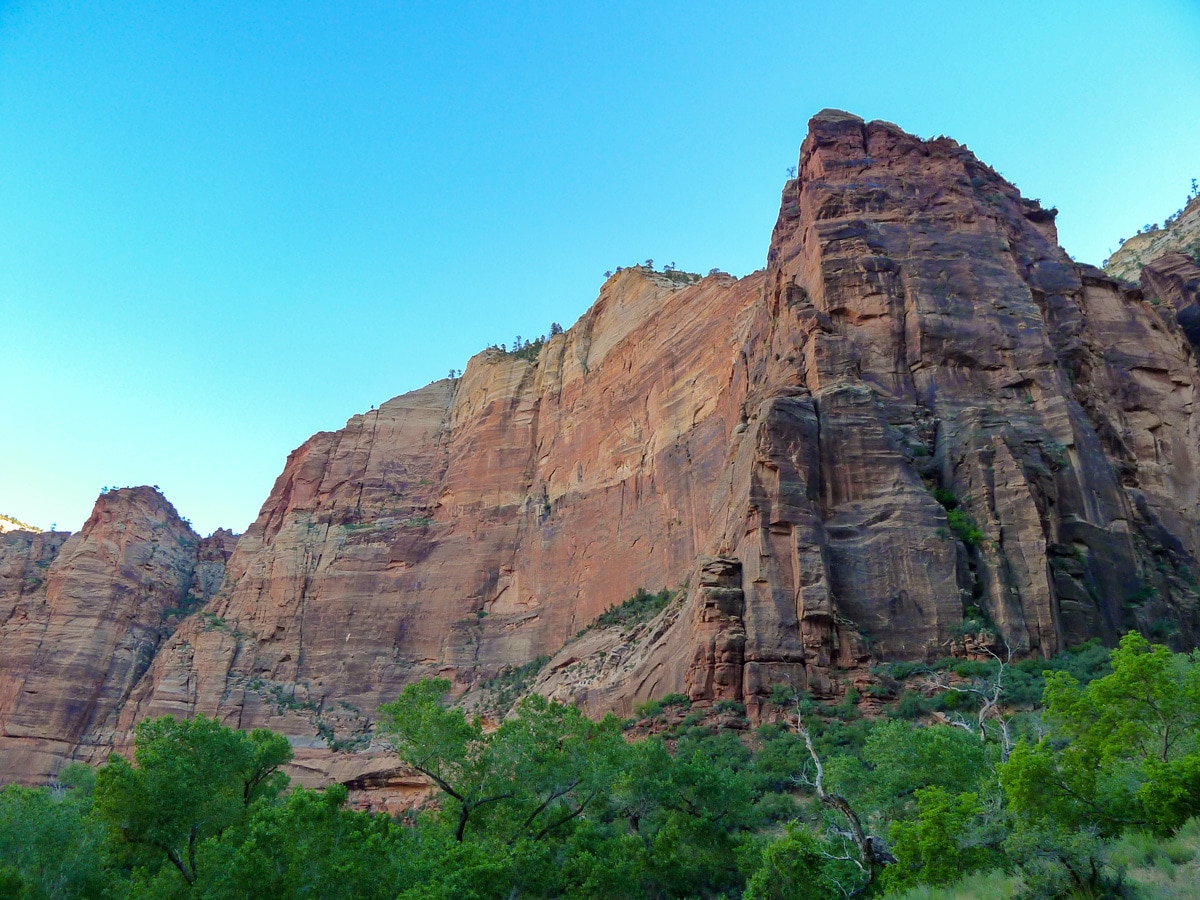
(653, 708)
(945, 497)
(964, 528)
(782, 694)
(641, 607)
(912, 705)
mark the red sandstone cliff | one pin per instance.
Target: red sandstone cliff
(768, 443)
(81, 618)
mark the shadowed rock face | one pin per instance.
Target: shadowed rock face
(1174, 279)
(942, 338)
(769, 443)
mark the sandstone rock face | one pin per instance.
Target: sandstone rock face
(1174, 279)
(8, 523)
(473, 524)
(1181, 235)
(942, 339)
(81, 617)
(770, 445)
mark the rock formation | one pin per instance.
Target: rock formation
(1179, 234)
(8, 523)
(81, 617)
(920, 419)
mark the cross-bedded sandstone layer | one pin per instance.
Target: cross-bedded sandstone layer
(919, 418)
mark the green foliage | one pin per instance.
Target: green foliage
(795, 867)
(937, 847)
(1025, 681)
(848, 707)
(654, 708)
(49, 847)
(530, 349)
(782, 694)
(912, 705)
(641, 607)
(945, 497)
(535, 772)
(311, 845)
(525, 349)
(1164, 869)
(553, 805)
(898, 759)
(964, 528)
(961, 525)
(193, 779)
(994, 885)
(441, 743)
(1121, 751)
(511, 683)
(900, 670)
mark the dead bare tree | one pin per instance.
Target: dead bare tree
(871, 852)
(989, 691)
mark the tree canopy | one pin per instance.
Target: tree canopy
(822, 803)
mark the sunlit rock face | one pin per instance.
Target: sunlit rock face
(82, 617)
(1180, 233)
(770, 446)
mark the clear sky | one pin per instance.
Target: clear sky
(225, 226)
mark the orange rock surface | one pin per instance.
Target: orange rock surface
(81, 618)
(769, 445)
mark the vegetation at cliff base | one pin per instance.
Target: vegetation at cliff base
(1093, 792)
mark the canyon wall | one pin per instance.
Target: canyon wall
(919, 423)
(82, 617)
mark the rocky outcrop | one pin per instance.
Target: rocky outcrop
(81, 617)
(473, 524)
(1179, 234)
(1174, 280)
(8, 523)
(921, 421)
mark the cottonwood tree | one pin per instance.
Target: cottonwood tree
(190, 781)
(1123, 751)
(442, 745)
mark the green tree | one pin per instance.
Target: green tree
(49, 846)
(1121, 751)
(309, 845)
(937, 847)
(454, 753)
(797, 866)
(192, 780)
(899, 758)
(691, 811)
(561, 763)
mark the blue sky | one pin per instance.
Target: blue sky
(227, 225)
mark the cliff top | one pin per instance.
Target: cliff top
(8, 523)
(1179, 234)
